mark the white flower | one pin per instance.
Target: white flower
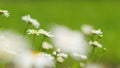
(46, 46)
(79, 56)
(36, 60)
(95, 43)
(86, 29)
(98, 32)
(47, 34)
(60, 59)
(58, 50)
(54, 53)
(62, 55)
(69, 41)
(30, 20)
(11, 44)
(4, 12)
(32, 31)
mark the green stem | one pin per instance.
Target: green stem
(42, 41)
(93, 51)
(99, 57)
(26, 29)
(34, 37)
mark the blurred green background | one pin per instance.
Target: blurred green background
(72, 13)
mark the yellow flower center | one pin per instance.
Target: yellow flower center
(35, 52)
(35, 31)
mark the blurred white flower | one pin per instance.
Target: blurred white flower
(62, 55)
(32, 31)
(95, 43)
(86, 29)
(30, 20)
(4, 12)
(54, 53)
(69, 41)
(46, 46)
(79, 56)
(94, 66)
(34, 60)
(11, 44)
(98, 32)
(60, 59)
(47, 34)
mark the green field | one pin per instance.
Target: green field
(101, 14)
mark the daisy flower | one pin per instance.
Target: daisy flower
(45, 33)
(95, 43)
(30, 20)
(69, 41)
(32, 31)
(4, 12)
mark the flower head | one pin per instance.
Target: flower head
(46, 46)
(4, 12)
(32, 31)
(95, 43)
(79, 56)
(60, 56)
(69, 41)
(30, 20)
(86, 29)
(98, 32)
(45, 33)
(60, 59)
(11, 44)
(37, 60)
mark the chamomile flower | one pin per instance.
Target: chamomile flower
(60, 59)
(46, 46)
(60, 56)
(79, 56)
(32, 31)
(98, 32)
(69, 41)
(86, 29)
(30, 20)
(45, 33)
(95, 44)
(4, 13)
(36, 60)
(11, 44)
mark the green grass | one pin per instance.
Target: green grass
(104, 15)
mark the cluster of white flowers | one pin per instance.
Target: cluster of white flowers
(30, 20)
(95, 43)
(66, 41)
(69, 41)
(40, 31)
(88, 30)
(60, 57)
(4, 12)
